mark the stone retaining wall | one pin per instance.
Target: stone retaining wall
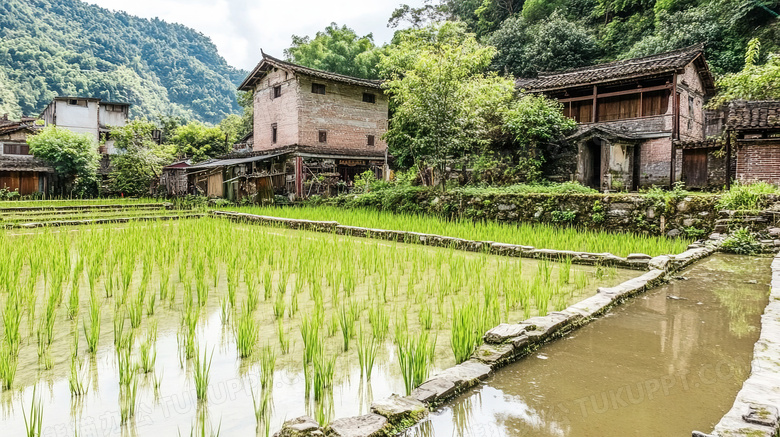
(165, 205)
(637, 261)
(755, 411)
(100, 221)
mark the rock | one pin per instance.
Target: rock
(503, 332)
(774, 232)
(659, 262)
(400, 410)
(638, 256)
(767, 242)
(303, 426)
(520, 342)
(467, 373)
(764, 415)
(368, 425)
(683, 206)
(495, 355)
(688, 222)
(699, 434)
(715, 236)
(503, 207)
(434, 390)
(673, 233)
(650, 213)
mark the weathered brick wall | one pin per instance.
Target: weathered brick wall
(759, 161)
(690, 86)
(282, 110)
(655, 161)
(341, 112)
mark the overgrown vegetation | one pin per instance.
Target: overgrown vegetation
(750, 196)
(741, 242)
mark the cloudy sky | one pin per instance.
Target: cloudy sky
(240, 28)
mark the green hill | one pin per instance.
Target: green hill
(67, 47)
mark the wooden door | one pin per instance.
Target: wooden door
(695, 168)
(28, 183)
(215, 185)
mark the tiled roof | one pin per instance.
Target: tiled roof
(757, 114)
(9, 127)
(618, 70)
(23, 163)
(271, 62)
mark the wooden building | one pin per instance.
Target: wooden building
(19, 171)
(630, 113)
(325, 126)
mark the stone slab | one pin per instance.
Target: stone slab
(367, 425)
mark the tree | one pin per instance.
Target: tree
(552, 44)
(440, 96)
(200, 142)
(755, 81)
(73, 156)
(137, 166)
(338, 50)
(536, 123)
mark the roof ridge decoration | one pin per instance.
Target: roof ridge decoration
(269, 60)
(658, 63)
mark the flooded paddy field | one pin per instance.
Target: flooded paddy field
(664, 364)
(154, 328)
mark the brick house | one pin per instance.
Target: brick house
(630, 113)
(313, 130)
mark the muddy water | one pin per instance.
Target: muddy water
(172, 406)
(664, 364)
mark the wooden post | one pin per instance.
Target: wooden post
(728, 159)
(298, 176)
(593, 112)
(675, 105)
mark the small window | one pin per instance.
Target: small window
(273, 133)
(318, 88)
(323, 136)
(369, 98)
(16, 149)
(77, 102)
(277, 91)
(370, 141)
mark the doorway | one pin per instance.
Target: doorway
(591, 164)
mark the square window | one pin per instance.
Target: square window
(370, 141)
(273, 133)
(277, 91)
(318, 88)
(369, 98)
(323, 136)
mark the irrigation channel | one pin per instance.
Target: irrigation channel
(166, 295)
(663, 364)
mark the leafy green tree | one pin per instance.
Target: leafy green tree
(440, 95)
(535, 10)
(138, 165)
(200, 142)
(338, 50)
(73, 156)
(552, 44)
(422, 16)
(755, 81)
(536, 123)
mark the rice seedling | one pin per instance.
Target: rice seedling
(426, 318)
(267, 366)
(380, 322)
(33, 423)
(310, 328)
(246, 332)
(127, 400)
(73, 302)
(465, 333)
(224, 314)
(367, 348)
(201, 373)
(76, 379)
(333, 325)
(262, 410)
(279, 306)
(415, 357)
(324, 368)
(93, 333)
(12, 319)
(347, 323)
(135, 310)
(147, 352)
(8, 365)
(284, 339)
(150, 304)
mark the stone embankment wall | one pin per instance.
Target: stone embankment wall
(692, 216)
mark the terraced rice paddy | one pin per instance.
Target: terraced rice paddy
(14, 216)
(152, 328)
(537, 235)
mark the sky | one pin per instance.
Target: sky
(240, 28)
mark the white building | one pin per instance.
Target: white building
(87, 116)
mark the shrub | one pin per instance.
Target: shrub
(746, 196)
(741, 242)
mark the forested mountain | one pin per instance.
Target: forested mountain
(549, 35)
(67, 47)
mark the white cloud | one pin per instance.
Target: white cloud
(240, 28)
